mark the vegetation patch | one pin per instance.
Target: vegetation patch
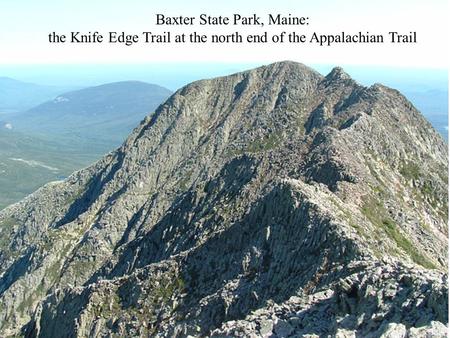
(184, 181)
(165, 292)
(26, 306)
(73, 197)
(348, 217)
(425, 187)
(109, 308)
(410, 171)
(265, 143)
(6, 229)
(376, 213)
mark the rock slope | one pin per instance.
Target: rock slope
(274, 202)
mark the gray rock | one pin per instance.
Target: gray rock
(242, 202)
(266, 327)
(343, 333)
(433, 330)
(283, 328)
(394, 330)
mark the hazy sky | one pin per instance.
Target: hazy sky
(25, 24)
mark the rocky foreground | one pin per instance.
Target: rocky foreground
(270, 203)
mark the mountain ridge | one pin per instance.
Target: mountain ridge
(69, 132)
(96, 108)
(16, 95)
(243, 202)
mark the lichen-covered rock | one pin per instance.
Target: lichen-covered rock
(270, 203)
(432, 330)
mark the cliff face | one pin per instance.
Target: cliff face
(273, 201)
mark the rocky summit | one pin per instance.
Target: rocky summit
(270, 203)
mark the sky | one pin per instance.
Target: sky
(175, 75)
(25, 25)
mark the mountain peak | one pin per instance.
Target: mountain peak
(290, 65)
(288, 68)
(245, 201)
(338, 73)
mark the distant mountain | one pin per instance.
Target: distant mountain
(73, 130)
(28, 161)
(17, 95)
(434, 105)
(103, 114)
(274, 202)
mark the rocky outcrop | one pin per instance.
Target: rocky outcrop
(273, 202)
